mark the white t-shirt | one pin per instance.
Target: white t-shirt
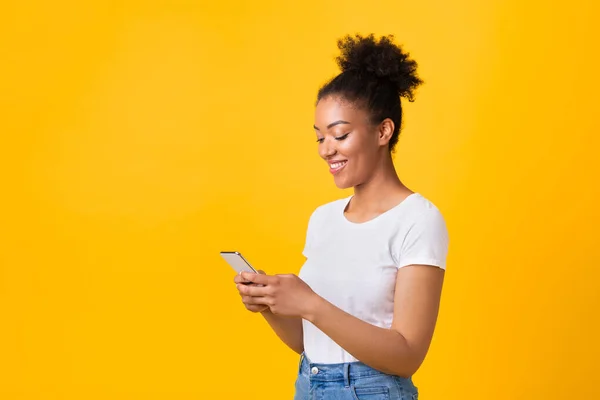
(354, 265)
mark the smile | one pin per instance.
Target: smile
(335, 167)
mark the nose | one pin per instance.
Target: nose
(327, 149)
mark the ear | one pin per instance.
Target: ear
(386, 130)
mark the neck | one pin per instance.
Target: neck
(383, 190)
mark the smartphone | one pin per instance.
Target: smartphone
(237, 261)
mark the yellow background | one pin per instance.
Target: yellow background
(141, 138)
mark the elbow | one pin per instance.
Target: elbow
(407, 371)
(408, 361)
(297, 345)
(298, 349)
(407, 368)
(404, 366)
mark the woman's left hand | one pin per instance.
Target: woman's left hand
(286, 295)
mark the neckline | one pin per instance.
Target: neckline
(378, 217)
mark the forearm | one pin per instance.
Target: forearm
(383, 349)
(288, 329)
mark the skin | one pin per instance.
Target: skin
(284, 300)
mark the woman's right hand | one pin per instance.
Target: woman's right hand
(246, 299)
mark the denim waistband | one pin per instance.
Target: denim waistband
(336, 372)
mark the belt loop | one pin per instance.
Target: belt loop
(300, 363)
(347, 374)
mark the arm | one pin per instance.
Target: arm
(288, 329)
(398, 350)
(401, 349)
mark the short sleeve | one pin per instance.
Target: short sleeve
(426, 241)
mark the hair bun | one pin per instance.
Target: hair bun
(380, 58)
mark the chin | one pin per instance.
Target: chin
(343, 184)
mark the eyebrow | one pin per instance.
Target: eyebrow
(333, 124)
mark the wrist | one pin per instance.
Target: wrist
(312, 307)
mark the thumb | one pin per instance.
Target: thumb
(248, 276)
(260, 271)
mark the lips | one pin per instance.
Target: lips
(337, 166)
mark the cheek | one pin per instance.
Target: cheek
(351, 148)
(358, 150)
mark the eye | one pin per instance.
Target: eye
(342, 137)
(320, 140)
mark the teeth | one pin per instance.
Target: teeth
(338, 165)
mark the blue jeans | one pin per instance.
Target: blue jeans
(350, 381)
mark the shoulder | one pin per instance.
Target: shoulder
(422, 210)
(424, 220)
(425, 239)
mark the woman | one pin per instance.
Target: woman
(363, 309)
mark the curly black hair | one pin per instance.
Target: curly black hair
(376, 73)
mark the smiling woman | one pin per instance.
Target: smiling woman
(363, 309)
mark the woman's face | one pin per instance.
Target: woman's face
(348, 142)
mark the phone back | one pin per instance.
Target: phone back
(237, 261)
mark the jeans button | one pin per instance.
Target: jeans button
(314, 370)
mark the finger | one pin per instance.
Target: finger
(254, 301)
(252, 290)
(241, 289)
(239, 279)
(256, 308)
(259, 278)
